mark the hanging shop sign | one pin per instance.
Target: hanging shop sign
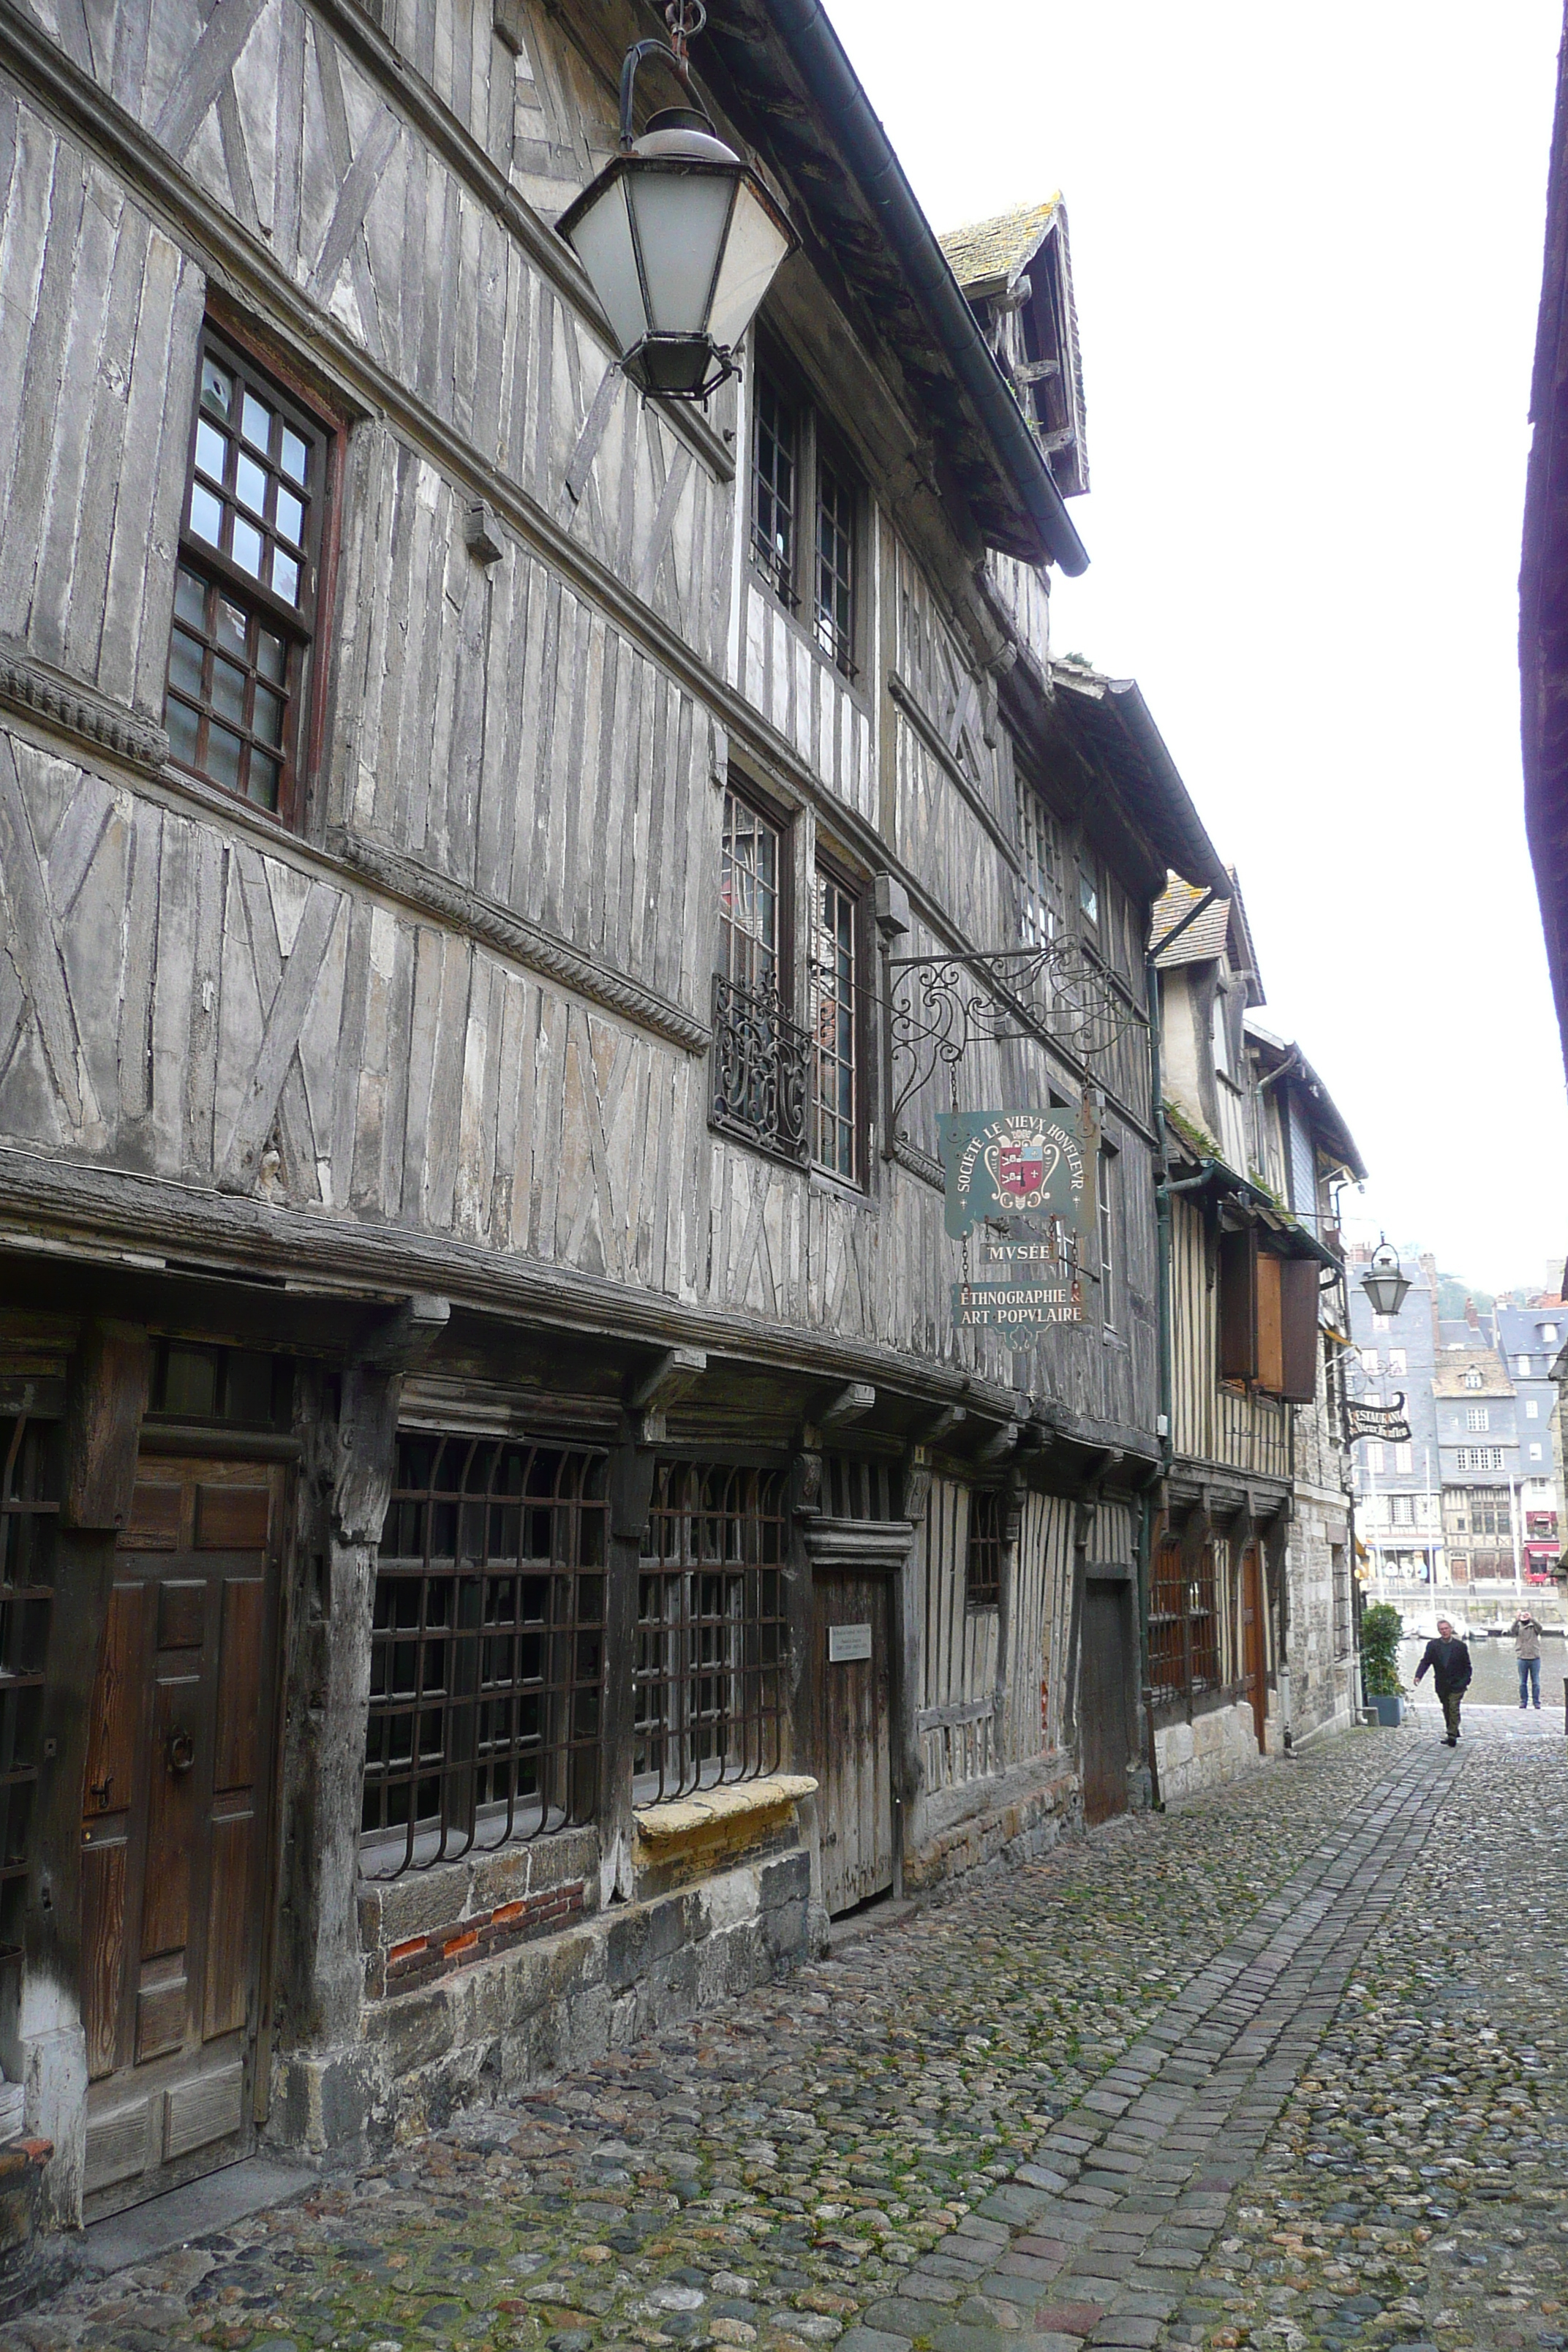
(1386, 1421)
(1026, 1302)
(1015, 1169)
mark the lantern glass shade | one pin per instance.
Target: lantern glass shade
(1385, 1286)
(759, 244)
(681, 241)
(602, 240)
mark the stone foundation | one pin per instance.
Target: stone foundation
(1216, 1747)
(1013, 1818)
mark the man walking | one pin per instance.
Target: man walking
(1527, 1650)
(1450, 1663)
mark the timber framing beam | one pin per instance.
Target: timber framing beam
(239, 268)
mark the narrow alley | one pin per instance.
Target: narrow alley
(1284, 2066)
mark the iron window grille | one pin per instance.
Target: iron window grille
(762, 1070)
(775, 475)
(486, 1650)
(244, 581)
(982, 1565)
(712, 1640)
(1184, 1636)
(835, 1020)
(834, 615)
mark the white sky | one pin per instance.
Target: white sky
(1307, 251)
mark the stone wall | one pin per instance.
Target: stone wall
(1014, 1817)
(1216, 1747)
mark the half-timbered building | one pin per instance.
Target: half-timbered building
(503, 1529)
(1251, 1633)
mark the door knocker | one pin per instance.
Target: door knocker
(182, 1751)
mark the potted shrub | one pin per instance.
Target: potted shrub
(1380, 1628)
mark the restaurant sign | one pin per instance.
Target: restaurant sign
(1015, 1169)
(1386, 1421)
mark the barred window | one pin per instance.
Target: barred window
(834, 1025)
(1167, 1615)
(713, 1641)
(245, 582)
(773, 473)
(835, 567)
(487, 1648)
(1183, 1633)
(982, 1567)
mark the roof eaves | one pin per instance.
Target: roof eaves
(818, 57)
(1115, 707)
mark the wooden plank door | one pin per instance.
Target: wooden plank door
(176, 1820)
(1103, 1711)
(855, 1735)
(1254, 1658)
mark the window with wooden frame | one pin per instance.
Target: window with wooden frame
(751, 882)
(1268, 1319)
(806, 515)
(835, 1023)
(487, 1648)
(834, 606)
(244, 632)
(1039, 886)
(982, 1562)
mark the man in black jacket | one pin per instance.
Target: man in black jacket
(1450, 1663)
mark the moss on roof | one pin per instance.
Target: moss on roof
(992, 251)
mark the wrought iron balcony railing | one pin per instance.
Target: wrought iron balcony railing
(761, 1070)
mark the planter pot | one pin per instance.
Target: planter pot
(1390, 1710)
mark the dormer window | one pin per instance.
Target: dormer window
(1473, 1381)
(1549, 1334)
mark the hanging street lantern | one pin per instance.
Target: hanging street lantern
(1383, 1282)
(679, 236)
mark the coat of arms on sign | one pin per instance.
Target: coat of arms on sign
(1016, 1166)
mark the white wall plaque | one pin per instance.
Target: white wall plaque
(845, 1641)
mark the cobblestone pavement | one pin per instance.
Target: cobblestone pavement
(1281, 2068)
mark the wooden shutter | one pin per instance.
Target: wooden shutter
(1267, 1269)
(1239, 1306)
(1299, 1330)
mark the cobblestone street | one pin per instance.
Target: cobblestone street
(1283, 2067)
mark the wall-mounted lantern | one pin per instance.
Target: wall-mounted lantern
(679, 236)
(1383, 1282)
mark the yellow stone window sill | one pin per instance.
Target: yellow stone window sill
(725, 1803)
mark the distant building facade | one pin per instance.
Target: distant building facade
(1529, 1339)
(1398, 1488)
(1477, 1446)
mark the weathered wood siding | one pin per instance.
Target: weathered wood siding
(990, 1682)
(1212, 1421)
(469, 998)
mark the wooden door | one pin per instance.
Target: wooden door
(1254, 1652)
(1104, 1714)
(177, 1828)
(855, 1735)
